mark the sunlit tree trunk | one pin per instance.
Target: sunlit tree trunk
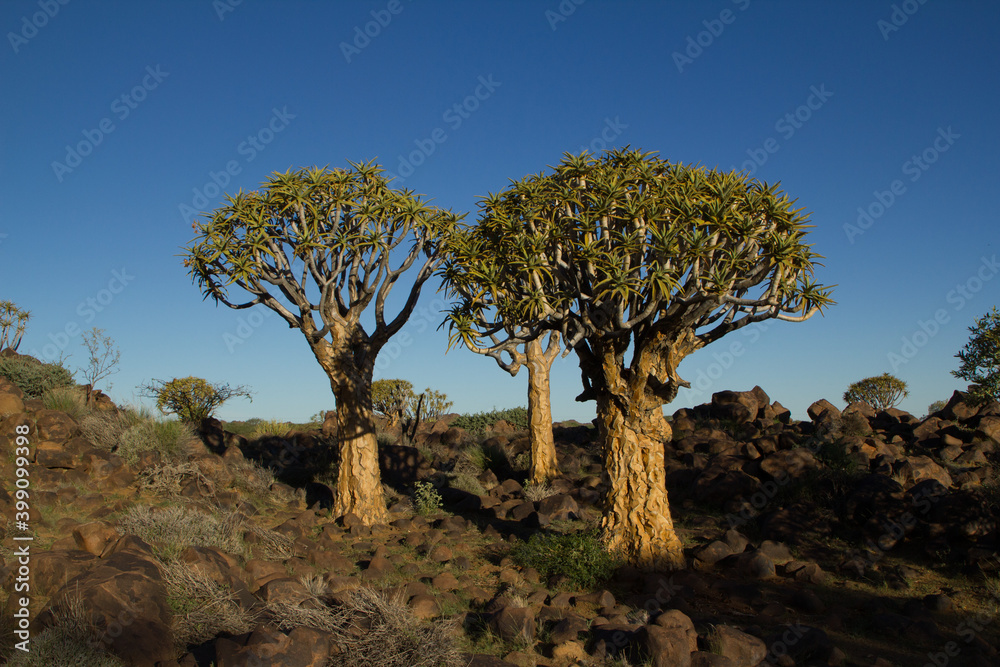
(543, 446)
(637, 521)
(359, 481)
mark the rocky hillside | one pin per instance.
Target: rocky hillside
(853, 538)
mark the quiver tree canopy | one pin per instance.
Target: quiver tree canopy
(627, 251)
(319, 247)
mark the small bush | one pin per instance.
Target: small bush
(33, 377)
(426, 499)
(71, 400)
(579, 556)
(131, 431)
(482, 421)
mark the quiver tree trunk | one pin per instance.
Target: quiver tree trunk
(637, 521)
(543, 447)
(359, 481)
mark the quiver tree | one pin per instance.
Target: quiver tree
(981, 359)
(191, 398)
(319, 247)
(13, 322)
(490, 299)
(880, 392)
(637, 263)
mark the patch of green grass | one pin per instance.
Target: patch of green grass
(581, 557)
(71, 400)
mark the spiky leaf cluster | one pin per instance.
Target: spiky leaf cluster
(880, 392)
(318, 240)
(628, 244)
(981, 358)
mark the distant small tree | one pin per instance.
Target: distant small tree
(981, 359)
(434, 405)
(880, 392)
(391, 398)
(103, 358)
(936, 406)
(13, 322)
(396, 400)
(191, 399)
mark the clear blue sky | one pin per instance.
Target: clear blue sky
(153, 98)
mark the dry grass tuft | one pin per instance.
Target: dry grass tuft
(393, 636)
(203, 608)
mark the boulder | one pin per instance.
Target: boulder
(918, 468)
(56, 426)
(514, 624)
(743, 649)
(666, 647)
(125, 601)
(738, 406)
(822, 407)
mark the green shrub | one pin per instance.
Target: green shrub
(426, 499)
(482, 421)
(579, 556)
(131, 431)
(71, 400)
(33, 377)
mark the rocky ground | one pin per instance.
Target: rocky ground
(854, 538)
